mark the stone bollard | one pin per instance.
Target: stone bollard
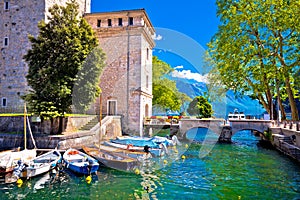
(284, 124)
(291, 125)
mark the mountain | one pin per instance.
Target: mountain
(227, 104)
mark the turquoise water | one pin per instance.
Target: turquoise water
(241, 170)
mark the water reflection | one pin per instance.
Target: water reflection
(230, 171)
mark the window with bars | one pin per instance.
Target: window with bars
(6, 5)
(5, 42)
(120, 22)
(4, 102)
(109, 22)
(130, 21)
(99, 23)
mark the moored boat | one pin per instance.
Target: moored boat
(146, 140)
(126, 152)
(112, 159)
(157, 150)
(42, 164)
(80, 162)
(9, 160)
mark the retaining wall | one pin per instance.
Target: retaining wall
(16, 124)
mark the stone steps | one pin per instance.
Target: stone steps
(90, 124)
(286, 139)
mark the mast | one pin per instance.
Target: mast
(25, 139)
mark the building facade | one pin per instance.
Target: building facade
(18, 18)
(127, 39)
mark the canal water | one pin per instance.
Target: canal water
(200, 170)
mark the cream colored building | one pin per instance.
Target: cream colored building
(126, 83)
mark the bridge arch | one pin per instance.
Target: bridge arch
(257, 125)
(213, 124)
(225, 131)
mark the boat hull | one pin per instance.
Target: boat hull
(112, 160)
(42, 164)
(80, 162)
(157, 152)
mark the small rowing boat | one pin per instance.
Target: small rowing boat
(112, 159)
(9, 159)
(80, 162)
(157, 151)
(42, 164)
(126, 152)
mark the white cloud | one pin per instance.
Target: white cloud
(179, 67)
(187, 74)
(157, 37)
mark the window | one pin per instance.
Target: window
(130, 21)
(99, 23)
(6, 5)
(147, 53)
(5, 42)
(109, 22)
(112, 107)
(120, 22)
(147, 81)
(146, 110)
(4, 102)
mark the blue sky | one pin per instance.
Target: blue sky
(183, 29)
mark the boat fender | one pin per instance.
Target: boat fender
(137, 171)
(19, 182)
(88, 179)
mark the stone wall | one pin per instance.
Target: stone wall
(111, 128)
(16, 124)
(16, 23)
(127, 78)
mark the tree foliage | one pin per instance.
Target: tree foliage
(165, 92)
(86, 88)
(200, 107)
(62, 56)
(256, 50)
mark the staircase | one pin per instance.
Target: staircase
(90, 124)
(286, 139)
(287, 146)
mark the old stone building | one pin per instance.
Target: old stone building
(125, 37)
(126, 83)
(18, 18)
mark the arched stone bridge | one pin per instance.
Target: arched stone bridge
(215, 125)
(248, 124)
(224, 130)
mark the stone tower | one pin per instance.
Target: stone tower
(18, 18)
(126, 82)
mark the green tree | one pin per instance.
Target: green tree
(256, 50)
(58, 53)
(200, 107)
(86, 88)
(165, 92)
